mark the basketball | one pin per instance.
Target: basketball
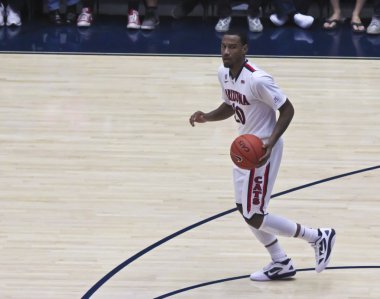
(246, 150)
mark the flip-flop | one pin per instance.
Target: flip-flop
(357, 30)
(334, 24)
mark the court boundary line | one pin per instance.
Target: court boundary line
(196, 286)
(121, 266)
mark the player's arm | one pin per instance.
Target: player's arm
(224, 111)
(286, 115)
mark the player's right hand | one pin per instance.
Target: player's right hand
(268, 150)
(197, 117)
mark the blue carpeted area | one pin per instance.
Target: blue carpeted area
(191, 36)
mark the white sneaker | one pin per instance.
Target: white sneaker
(374, 26)
(303, 21)
(254, 24)
(150, 23)
(277, 20)
(2, 14)
(323, 247)
(13, 17)
(133, 19)
(85, 18)
(274, 271)
(223, 25)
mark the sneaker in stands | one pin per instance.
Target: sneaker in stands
(275, 271)
(323, 247)
(133, 19)
(223, 24)
(149, 23)
(374, 26)
(303, 21)
(278, 21)
(13, 17)
(85, 18)
(254, 24)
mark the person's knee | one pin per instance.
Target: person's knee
(240, 208)
(256, 220)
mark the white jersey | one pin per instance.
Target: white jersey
(254, 96)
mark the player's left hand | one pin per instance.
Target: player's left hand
(268, 150)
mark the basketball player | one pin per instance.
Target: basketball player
(252, 96)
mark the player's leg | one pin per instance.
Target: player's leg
(281, 266)
(321, 239)
(269, 241)
(251, 188)
(257, 197)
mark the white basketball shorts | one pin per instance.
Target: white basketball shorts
(253, 188)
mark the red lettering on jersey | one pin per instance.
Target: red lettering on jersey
(257, 190)
(256, 201)
(265, 187)
(235, 96)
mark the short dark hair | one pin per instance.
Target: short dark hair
(242, 35)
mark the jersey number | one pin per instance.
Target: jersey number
(239, 114)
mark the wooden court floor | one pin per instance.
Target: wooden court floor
(98, 162)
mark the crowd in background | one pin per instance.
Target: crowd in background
(80, 12)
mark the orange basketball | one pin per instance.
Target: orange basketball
(246, 150)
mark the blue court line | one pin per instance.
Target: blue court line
(102, 281)
(247, 276)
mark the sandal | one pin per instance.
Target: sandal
(357, 27)
(333, 24)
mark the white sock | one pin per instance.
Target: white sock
(276, 252)
(271, 244)
(278, 225)
(303, 21)
(308, 234)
